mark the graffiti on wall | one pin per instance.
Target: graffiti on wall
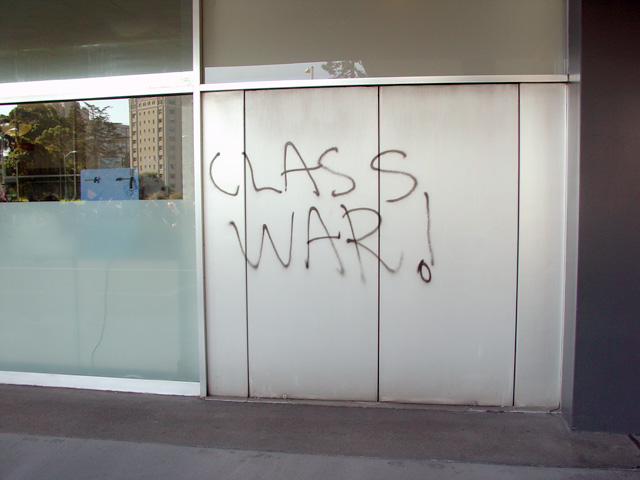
(295, 164)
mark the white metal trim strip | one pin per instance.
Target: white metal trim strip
(102, 87)
(183, 83)
(199, 230)
(375, 81)
(159, 387)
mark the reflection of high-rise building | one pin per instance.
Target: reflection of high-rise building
(156, 140)
(121, 141)
(64, 109)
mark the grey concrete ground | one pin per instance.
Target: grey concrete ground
(61, 433)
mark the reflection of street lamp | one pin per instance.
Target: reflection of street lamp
(75, 187)
(17, 181)
(310, 70)
(3, 160)
(14, 129)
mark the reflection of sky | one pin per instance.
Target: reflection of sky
(118, 109)
(254, 73)
(5, 109)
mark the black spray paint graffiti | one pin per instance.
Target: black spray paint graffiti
(357, 242)
(424, 267)
(326, 237)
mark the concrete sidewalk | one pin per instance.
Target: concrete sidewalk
(29, 457)
(61, 433)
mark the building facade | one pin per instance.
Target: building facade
(383, 202)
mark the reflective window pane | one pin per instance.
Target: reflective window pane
(102, 286)
(125, 149)
(45, 39)
(244, 40)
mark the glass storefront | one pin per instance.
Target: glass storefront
(102, 214)
(98, 271)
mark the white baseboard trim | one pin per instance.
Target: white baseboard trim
(132, 385)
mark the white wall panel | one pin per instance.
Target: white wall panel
(308, 162)
(542, 220)
(312, 328)
(223, 189)
(449, 340)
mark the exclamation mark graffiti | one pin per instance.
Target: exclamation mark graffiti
(423, 267)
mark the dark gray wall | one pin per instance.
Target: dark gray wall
(606, 383)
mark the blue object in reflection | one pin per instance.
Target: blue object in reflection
(109, 184)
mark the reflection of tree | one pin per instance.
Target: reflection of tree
(57, 140)
(103, 139)
(345, 69)
(34, 134)
(49, 144)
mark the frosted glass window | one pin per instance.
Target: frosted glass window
(303, 39)
(45, 39)
(104, 288)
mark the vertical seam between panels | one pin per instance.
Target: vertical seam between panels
(515, 339)
(379, 255)
(246, 246)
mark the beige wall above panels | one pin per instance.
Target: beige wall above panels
(245, 40)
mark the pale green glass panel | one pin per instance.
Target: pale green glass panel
(105, 288)
(304, 39)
